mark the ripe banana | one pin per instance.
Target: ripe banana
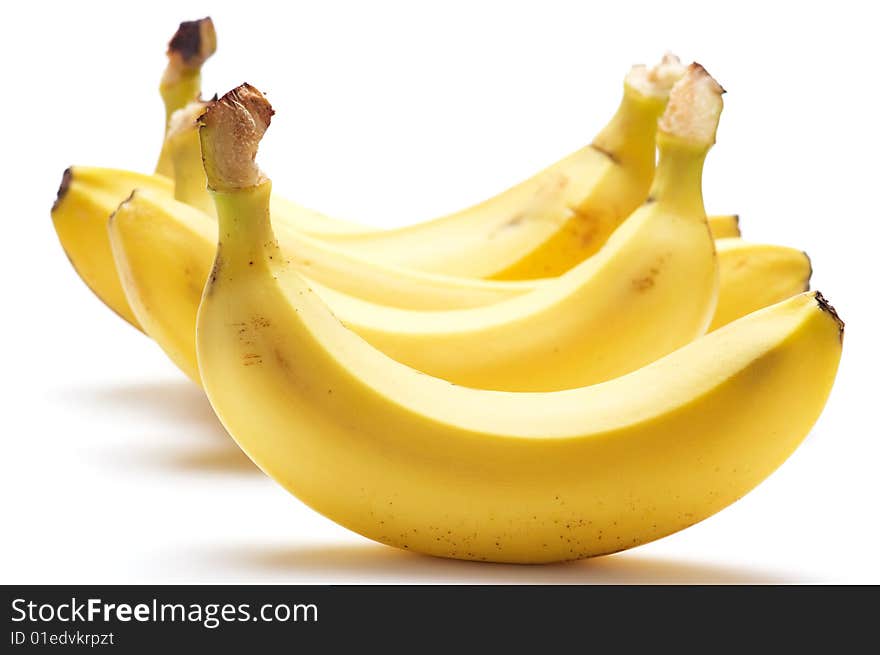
(571, 331)
(415, 462)
(650, 290)
(756, 275)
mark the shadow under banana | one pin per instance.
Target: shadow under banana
(200, 445)
(377, 562)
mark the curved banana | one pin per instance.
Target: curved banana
(755, 275)
(581, 328)
(415, 462)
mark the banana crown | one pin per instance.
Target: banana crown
(694, 108)
(230, 131)
(656, 82)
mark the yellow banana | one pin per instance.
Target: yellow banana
(415, 462)
(756, 275)
(581, 328)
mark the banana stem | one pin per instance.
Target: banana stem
(628, 138)
(246, 239)
(185, 151)
(678, 180)
(230, 131)
(190, 47)
(686, 132)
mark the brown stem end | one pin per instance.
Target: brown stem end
(193, 43)
(694, 108)
(230, 131)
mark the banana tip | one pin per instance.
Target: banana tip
(826, 307)
(66, 179)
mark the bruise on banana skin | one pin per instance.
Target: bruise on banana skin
(646, 282)
(66, 181)
(247, 336)
(551, 188)
(586, 225)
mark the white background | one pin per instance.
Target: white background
(114, 468)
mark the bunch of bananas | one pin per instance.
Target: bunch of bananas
(583, 363)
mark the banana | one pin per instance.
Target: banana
(756, 275)
(415, 462)
(583, 327)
